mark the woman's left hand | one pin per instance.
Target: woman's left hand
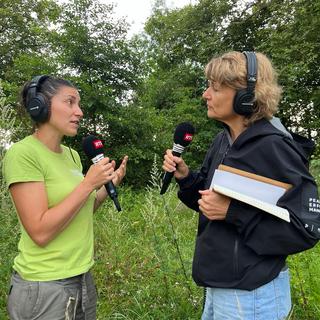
(213, 205)
(120, 172)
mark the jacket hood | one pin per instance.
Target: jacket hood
(264, 127)
(305, 145)
(257, 130)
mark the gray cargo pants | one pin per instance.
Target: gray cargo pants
(66, 299)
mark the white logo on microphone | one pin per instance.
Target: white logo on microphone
(187, 137)
(97, 144)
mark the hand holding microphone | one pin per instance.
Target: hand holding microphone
(182, 137)
(175, 164)
(101, 173)
(93, 148)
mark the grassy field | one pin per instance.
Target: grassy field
(143, 260)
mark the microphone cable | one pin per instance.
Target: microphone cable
(74, 160)
(176, 244)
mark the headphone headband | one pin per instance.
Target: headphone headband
(34, 86)
(251, 70)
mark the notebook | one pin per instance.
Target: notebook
(258, 191)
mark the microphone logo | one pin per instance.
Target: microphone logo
(188, 137)
(97, 144)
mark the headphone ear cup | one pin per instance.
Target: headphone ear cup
(38, 109)
(243, 102)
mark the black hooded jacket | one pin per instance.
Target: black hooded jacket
(249, 248)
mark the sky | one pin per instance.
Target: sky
(136, 12)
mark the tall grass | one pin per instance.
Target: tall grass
(9, 229)
(143, 258)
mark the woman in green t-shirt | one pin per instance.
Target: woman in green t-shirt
(55, 205)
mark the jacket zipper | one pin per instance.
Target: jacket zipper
(226, 152)
(235, 257)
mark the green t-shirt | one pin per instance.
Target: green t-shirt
(71, 252)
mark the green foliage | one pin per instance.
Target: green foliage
(287, 23)
(25, 46)
(7, 129)
(315, 169)
(9, 225)
(143, 259)
(192, 34)
(98, 51)
(23, 27)
(140, 275)
(8, 247)
(305, 284)
(183, 40)
(134, 92)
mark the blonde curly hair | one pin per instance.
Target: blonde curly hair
(230, 69)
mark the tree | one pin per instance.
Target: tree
(180, 44)
(287, 32)
(183, 40)
(295, 47)
(23, 29)
(92, 49)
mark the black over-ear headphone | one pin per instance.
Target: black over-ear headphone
(243, 102)
(36, 104)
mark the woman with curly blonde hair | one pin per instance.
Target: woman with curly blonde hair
(240, 253)
(230, 70)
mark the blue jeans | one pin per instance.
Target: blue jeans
(271, 301)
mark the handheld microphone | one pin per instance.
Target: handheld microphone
(182, 137)
(93, 148)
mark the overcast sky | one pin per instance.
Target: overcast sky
(137, 11)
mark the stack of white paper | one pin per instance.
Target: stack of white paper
(256, 193)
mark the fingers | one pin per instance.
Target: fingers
(108, 170)
(169, 164)
(103, 170)
(124, 162)
(170, 161)
(207, 197)
(204, 205)
(105, 164)
(103, 161)
(205, 192)
(121, 171)
(210, 211)
(213, 205)
(105, 174)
